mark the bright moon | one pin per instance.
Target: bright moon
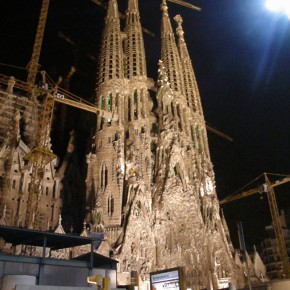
(281, 6)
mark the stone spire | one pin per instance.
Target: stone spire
(190, 84)
(59, 229)
(198, 128)
(165, 98)
(135, 66)
(112, 13)
(106, 161)
(163, 82)
(169, 52)
(111, 55)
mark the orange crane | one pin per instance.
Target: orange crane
(41, 155)
(268, 188)
(185, 4)
(218, 133)
(33, 66)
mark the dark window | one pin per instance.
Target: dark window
(111, 205)
(129, 110)
(104, 176)
(103, 103)
(110, 102)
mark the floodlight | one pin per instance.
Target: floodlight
(281, 6)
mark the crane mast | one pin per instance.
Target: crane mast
(277, 227)
(268, 187)
(39, 156)
(33, 66)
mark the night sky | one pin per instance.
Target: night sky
(241, 56)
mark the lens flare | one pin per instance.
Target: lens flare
(281, 6)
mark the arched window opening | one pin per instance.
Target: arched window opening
(172, 109)
(154, 128)
(111, 205)
(116, 102)
(175, 170)
(104, 176)
(110, 102)
(54, 190)
(18, 205)
(192, 133)
(198, 144)
(129, 110)
(127, 135)
(52, 212)
(179, 117)
(135, 104)
(102, 123)
(103, 102)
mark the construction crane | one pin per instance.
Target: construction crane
(33, 65)
(185, 4)
(268, 188)
(218, 132)
(41, 155)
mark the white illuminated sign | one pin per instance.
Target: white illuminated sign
(165, 280)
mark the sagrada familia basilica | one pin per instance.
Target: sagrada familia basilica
(150, 185)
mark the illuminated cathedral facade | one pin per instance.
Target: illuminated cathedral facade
(150, 182)
(150, 185)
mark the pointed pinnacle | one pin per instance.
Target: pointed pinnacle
(164, 7)
(179, 30)
(113, 9)
(132, 5)
(166, 25)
